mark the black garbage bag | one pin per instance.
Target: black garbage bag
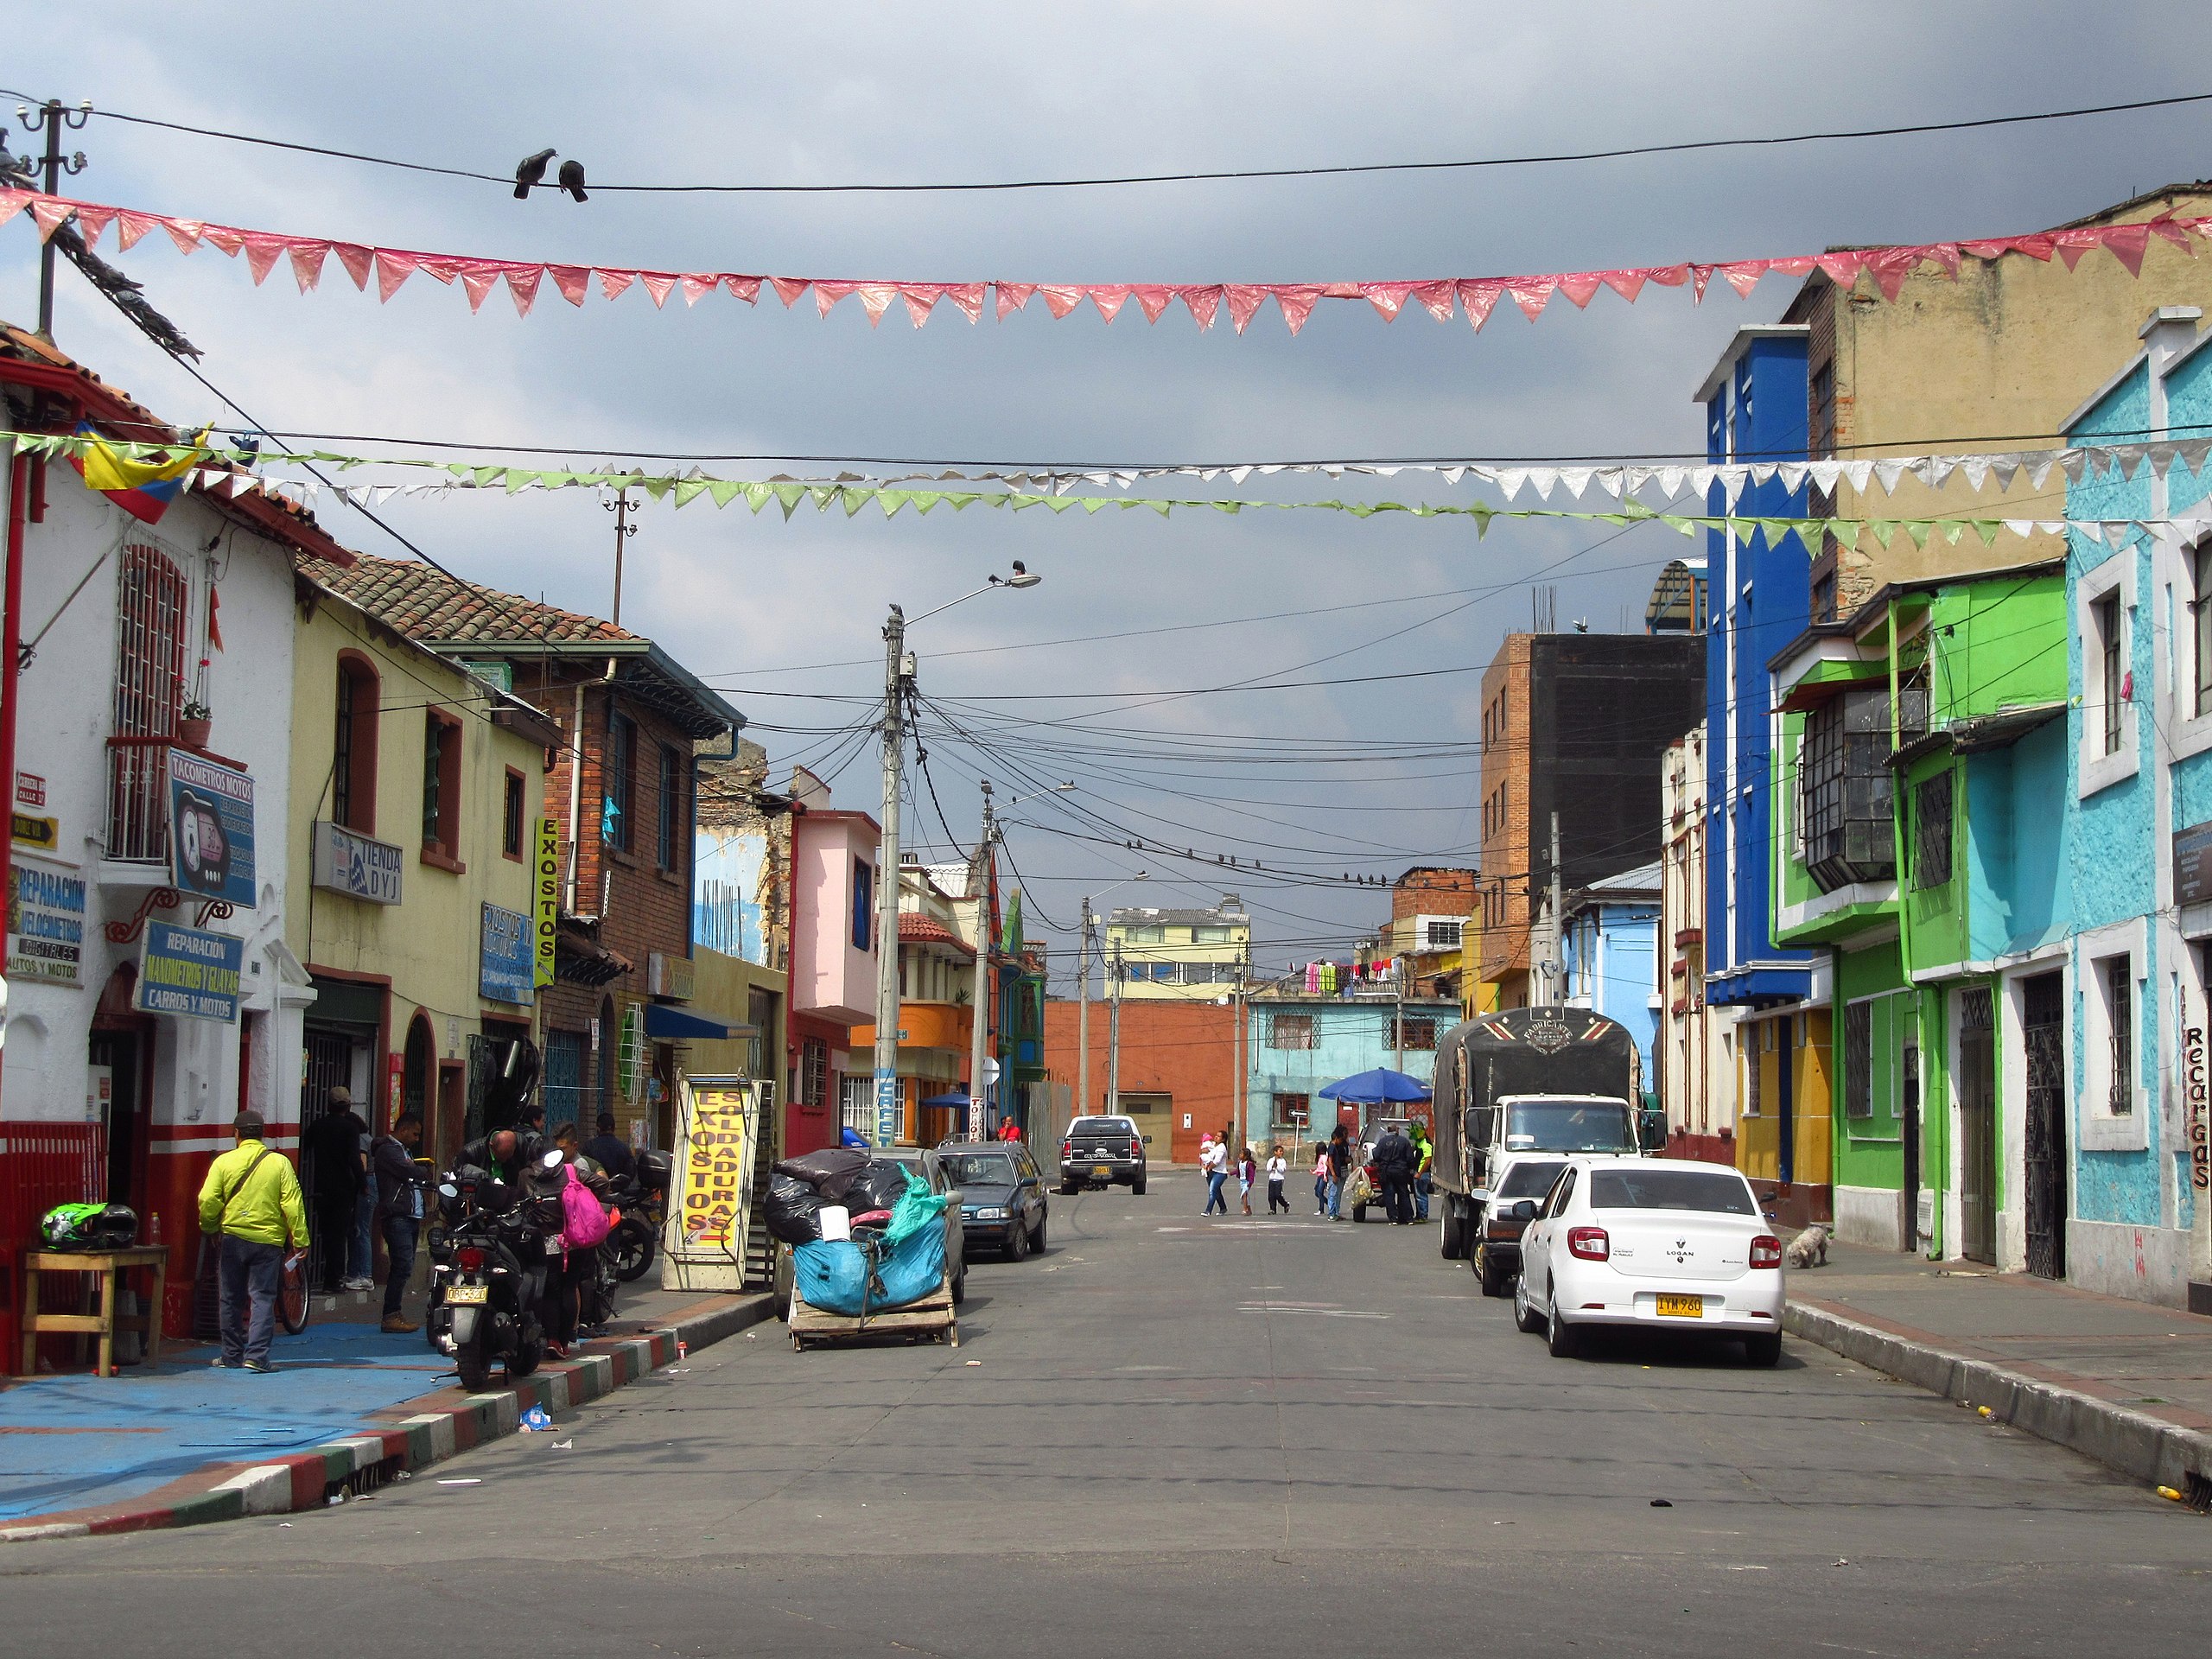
(879, 1187)
(794, 1211)
(828, 1171)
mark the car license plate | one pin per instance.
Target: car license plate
(1681, 1307)
(1101, 1172)
(469, 1295)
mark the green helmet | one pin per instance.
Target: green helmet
(89, 1227)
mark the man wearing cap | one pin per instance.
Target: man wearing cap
(250, 1201)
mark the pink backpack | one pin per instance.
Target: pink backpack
(583, 1220)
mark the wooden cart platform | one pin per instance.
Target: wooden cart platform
(932, 1319)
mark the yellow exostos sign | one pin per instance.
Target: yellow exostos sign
(546, 900)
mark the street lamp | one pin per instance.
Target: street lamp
(898, 680)
(1083, 995)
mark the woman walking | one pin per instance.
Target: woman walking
(1248, 1171)
(1339, 1161)
(1213, 1159)
(1278, 1167)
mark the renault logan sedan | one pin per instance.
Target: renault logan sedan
(1658, 1243)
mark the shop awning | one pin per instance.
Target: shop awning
(677, 1025)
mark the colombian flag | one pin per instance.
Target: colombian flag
(142, 488)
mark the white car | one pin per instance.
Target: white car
(1657, 1243)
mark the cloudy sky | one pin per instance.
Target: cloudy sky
(1131, 604)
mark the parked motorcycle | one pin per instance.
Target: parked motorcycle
(641, 1204)
(488, 1277)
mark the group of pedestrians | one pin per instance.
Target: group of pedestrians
(1401, 1161)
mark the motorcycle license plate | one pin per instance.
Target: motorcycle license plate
(1681, 1307)
(1101, 1172)
(469, 1295)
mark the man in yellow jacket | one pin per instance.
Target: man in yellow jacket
(251, 1201)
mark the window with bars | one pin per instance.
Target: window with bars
(510, 815)
(2105, 615)
(1444, 935)
(2119, 978)
(1858, 1060)
(440, 784)
(151, 601)
(1294, 1031)
(669, 806)
(1415, 1032)
(353, 761)
(1845, 789)
(1932, 831)
(813, 1072)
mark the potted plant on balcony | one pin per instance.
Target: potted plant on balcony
(194, 724)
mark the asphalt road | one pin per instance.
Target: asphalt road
(1167, 1436)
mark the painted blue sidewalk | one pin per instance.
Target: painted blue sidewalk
(73, 1441)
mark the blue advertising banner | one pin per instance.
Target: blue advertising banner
(189, 972)
(210, 828)
(507, 959)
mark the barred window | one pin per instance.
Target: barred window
(813, 1072)
(2120, 1015)
(1932, 831)
(1846, 790)
(1858, 1060)
(1414, 1031)
(1291, 1031)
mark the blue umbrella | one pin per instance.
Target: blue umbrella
(1379, 1085)
(946, 1100)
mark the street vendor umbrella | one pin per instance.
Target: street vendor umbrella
(946, 1100)
(1376, 1087)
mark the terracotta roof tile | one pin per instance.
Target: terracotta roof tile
(425, 604)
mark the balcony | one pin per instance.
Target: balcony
(138, 802)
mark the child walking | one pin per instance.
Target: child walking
(1247, 1171)
(1278, 1167)
(1320, 1178)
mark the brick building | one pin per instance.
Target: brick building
(1179, 1068)
(621, 797)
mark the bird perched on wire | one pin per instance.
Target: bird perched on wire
(572, 180)
(529, 171)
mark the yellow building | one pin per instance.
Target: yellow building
(1181, 956)
(418, 787)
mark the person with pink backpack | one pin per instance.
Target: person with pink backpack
(571, 1253)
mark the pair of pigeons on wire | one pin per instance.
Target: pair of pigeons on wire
(530, 172)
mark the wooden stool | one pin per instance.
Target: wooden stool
(110, 1265)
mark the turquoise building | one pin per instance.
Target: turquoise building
(1297, 1043)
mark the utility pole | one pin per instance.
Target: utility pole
(979, 1024)
(1082, 1006)
(1559, 924)
(619, 507)
(897, 672)
(52, 117)
(1113, 1037)
(1398, 1018)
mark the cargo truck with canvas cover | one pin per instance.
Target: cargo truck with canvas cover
(1527, 1080)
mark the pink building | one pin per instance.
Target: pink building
(833, 876)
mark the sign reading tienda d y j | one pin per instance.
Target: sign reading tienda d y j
(210, 828)
(189, 972)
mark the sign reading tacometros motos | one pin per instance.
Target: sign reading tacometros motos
(189, 972)
(506, 960)
(210, 828)
(718, 1140)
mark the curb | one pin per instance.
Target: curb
(2131, 1442)
(363, 1463)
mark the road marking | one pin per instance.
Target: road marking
(1317, 1312)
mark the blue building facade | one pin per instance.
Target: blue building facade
(1611, 951)
(1298, 1044)
(2119, 1151)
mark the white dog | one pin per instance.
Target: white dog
(1810, 1247)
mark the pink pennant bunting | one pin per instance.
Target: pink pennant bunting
(1435, 299)
(1798, 266)
(1667, 276)
(522, 286)
(129, 228)
(875, 300)
(1012, 296)
(441, 267)
(574, 282)
(307, 262)
(1841, 266)
(743, 288)
(2166, 225)
(968, 296)
(698, 284)
(1153, 299)
(1109, 301)
(1700, 276)
(92, 223)
(1480, 298)
(1890, 266)
(1743, 275)
(49, 212)
(1945, 254)
(1060, 298)
(1531, 293)
(1202, 301)
(921, 298)
(826, 294)
(224, 239)
(1388, 298)
(478, 278)
(14, 201)
(1626, 283)
(789, 289)
(661, 284)
(1244, 300)
(1296, 302)
(613, 284)
(357, 260)
(2127, 243)
(393, 269)
(262, 250)
(1580, 285)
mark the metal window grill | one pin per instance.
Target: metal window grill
(2119, 1009)
(1858, 1060)
(150, 605)
(1291, 1031)
(1931, 827)
(813, 1072)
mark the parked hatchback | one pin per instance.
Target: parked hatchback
(1002, 1204)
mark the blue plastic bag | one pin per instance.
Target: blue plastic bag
(834, 1276)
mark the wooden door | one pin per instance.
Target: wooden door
(2042, 1035)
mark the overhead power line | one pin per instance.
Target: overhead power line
(505, 180)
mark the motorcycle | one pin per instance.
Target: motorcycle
(487, 1278)
(640, 1203)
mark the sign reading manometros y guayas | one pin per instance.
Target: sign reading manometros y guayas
(721, 1130)
(187, 972)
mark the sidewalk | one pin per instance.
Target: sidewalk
(2127, 1383)
(350, 1407)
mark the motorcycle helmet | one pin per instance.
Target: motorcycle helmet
(89, 1227)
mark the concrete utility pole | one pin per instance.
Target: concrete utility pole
(1082, 1007)
(1559, 924)
(978, 1044)
(1398, 1018)
(1114, 1036)
(897, 674)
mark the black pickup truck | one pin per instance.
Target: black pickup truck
(1101, 1152)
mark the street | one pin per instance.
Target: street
(1170, 1435)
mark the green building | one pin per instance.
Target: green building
(1908, 766)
